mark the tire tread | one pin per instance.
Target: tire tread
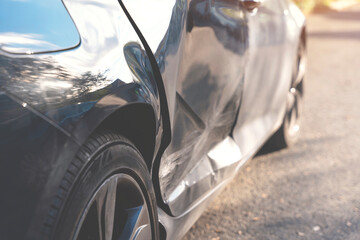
(93, 145)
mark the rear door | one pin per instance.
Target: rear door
(267, 77)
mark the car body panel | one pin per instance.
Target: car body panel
(214, 74)
(272, 43)
(195, 80)
(189, 172)
(30, 149)
(268, 74)
(107, 71)
(71, 92)
(202, 79)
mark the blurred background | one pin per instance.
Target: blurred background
(311, 190)
(309, 6)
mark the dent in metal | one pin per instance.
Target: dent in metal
(204, 88)
(195, 81)
(201, 79)
(210, 58)
(218, 166)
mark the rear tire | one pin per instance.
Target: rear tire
(106, 194)
(289, 131)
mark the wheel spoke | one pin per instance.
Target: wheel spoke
(290, 100)
(105, 202)
(119, 212)
(141, 228)
(293, 111)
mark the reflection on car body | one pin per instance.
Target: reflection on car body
(128, 125)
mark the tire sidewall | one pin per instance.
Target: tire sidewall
(110, 159)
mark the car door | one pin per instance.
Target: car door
(267, 77)
(209, 63)
(200, 47)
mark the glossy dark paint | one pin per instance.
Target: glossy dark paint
(108, 70)
(210, 74)
(71, 93)
(30, 149)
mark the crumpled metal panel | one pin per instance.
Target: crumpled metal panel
(218, 166)
(201, 56)
(213, 55)
(187, 155)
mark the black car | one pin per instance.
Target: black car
(123, 119)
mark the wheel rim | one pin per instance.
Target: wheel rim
(294, 112)
(117, 211)
(294, 98)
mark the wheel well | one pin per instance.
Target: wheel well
(135, 122)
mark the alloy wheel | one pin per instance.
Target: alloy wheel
(295, 94)
(116, 211)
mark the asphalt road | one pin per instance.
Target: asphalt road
(311, 191)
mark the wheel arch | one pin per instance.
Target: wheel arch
(137, 123)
